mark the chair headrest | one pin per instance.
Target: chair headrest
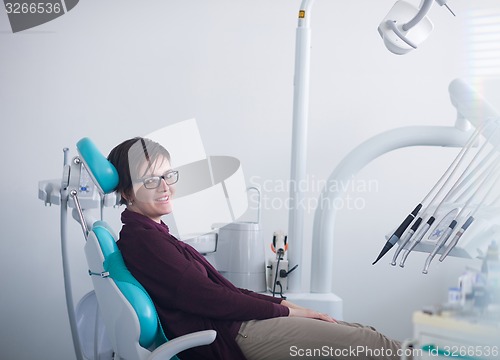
(103, 173)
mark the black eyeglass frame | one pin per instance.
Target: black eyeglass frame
(152, 182)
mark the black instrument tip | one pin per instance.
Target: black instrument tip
(384, 251)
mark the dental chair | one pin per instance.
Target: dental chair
(128, 313)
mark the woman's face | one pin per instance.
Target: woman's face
(151, 195)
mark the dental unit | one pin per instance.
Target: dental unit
(423, 230)
(395, 237)
(469, 195)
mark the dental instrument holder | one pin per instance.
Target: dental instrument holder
(75, 190)
(476, 110)
(278, 267)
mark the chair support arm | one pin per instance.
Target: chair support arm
(181, 343)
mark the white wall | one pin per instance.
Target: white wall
(116, 69)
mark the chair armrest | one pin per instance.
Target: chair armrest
(181, 343)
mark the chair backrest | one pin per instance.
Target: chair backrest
(128, 312)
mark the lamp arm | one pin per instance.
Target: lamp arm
(392, 25)
(304, 12)
(424, 9)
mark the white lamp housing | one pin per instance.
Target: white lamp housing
(398, 36)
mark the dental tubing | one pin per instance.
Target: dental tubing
(487, 175)
(470, 219)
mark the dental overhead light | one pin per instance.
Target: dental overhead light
(405, 26)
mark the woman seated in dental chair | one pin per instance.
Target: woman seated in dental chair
(190, 295)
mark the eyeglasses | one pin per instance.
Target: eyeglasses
(152, 182)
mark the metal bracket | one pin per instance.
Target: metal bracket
(103, 274)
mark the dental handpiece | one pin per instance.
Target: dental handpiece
(405, 240)
(418, 237)
(399, 231)
(442, 240)
(456, 238)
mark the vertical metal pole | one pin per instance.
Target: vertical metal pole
(299, 143)
(67, 281)
(65, 261)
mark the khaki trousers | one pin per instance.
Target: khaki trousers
(302, 338)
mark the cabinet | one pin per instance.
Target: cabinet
(452, 337)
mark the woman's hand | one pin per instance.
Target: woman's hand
(299, 311)
(291, 305)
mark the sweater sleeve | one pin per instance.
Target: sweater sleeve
(265, 297)
(176, 282)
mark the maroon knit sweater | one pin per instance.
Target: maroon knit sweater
(188, 292)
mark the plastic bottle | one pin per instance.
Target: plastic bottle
(492, 269)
